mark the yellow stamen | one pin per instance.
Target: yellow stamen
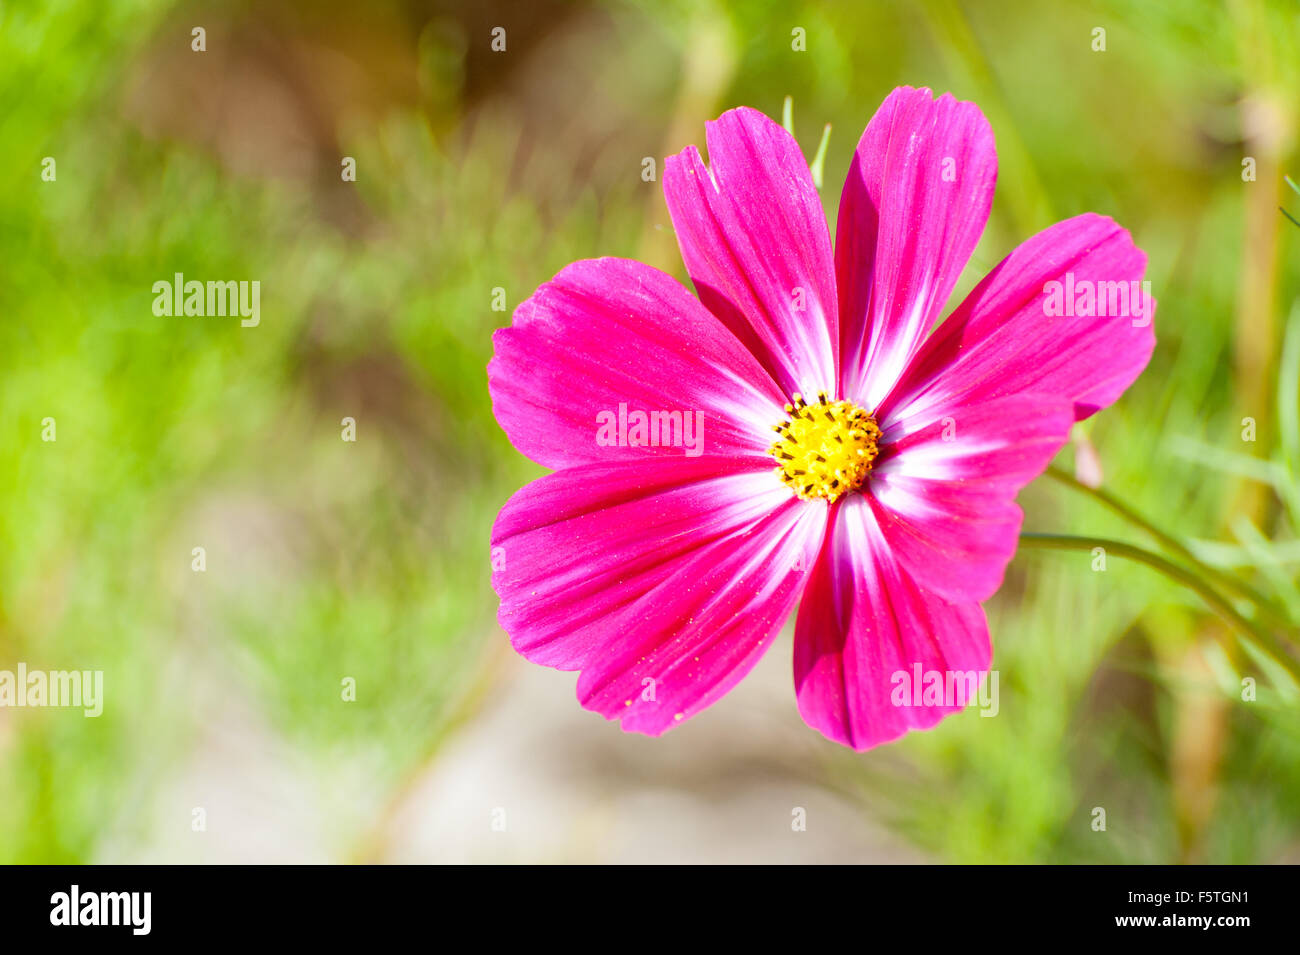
(826, 449)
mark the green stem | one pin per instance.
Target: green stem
(1219, 604)
(1277, 616)
(819, 160)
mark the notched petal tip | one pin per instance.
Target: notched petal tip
(757, 245)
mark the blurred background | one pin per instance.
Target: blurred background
(225, 734)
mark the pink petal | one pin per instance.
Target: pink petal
(607, 336)
(1001, 341)
(914, 205)
(863, 621)
(676, 572)
(943, 492)
(754, 238)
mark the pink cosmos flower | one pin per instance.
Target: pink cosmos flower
(794, 434)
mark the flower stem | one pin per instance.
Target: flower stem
(1217, 602)
(1277, 616)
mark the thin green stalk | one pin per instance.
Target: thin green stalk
(1217, 602)
(1277, 616)
(819, 160)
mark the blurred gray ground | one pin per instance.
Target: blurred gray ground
(575, 788)
(568, 786)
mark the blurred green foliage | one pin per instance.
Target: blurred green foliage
(328, 560)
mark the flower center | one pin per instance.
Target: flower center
(825, 450)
